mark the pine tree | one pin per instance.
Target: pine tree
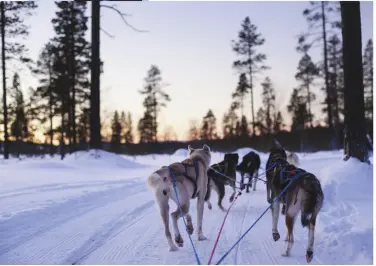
(12, 17)
(368, 79)
(240, 92)
(129, 133)
(260, 121)
(155, 97)
(209, 126)
(45, 94)
(19, 126)
(268, 100)
(116, 132)
(306, 75)
(321, 18)
(277, 122)
(123, 122)
(335, 68)
(193, 132)
(83, 126)
(229, 122)
(251, 61)
(298, 109)
(70, 26)
(145, 127)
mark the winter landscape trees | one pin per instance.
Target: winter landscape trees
(65, 106)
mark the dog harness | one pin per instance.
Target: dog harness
(185, 174)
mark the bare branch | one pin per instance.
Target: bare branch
(108, 34)
(123, 17)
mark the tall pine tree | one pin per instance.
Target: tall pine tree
(12, 20)
(155, 98)
(251, 62)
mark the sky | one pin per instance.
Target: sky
(191, 43)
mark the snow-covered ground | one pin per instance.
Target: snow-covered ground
(95, 209)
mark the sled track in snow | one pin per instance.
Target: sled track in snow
(31, 224)
(113, 228)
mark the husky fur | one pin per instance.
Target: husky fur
(293, 158)
(226, 167)
(277, 155)
(249, 167)
(304, 194)
(161, 183)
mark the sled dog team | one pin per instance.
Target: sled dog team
(195, 178)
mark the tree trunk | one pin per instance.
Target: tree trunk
(62, 130)
(51, 123)
(73, 88)
(326, 71)
(253, 108)
(95, 128)
(5, 107)
(353, 79)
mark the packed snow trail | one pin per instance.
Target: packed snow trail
(85, 212)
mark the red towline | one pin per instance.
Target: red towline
(220, 230)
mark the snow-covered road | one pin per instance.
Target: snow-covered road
(98, 211)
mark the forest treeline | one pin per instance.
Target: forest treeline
(59, 107)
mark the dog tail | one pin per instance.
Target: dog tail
(158, 183)
(313, 201)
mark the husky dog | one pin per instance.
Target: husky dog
(292, 158)
(249, 167)
(277, 156)
(304, 194)
(191, 181)
(218, 181)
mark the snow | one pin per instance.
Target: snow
(93, 208)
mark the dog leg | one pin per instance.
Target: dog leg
(275, 216)
(290, 234)
(200, 214)
(208, 195)
(175, 216)
(233, 193)
(268, 192)
(164, 209)
(184, 201)
(247, 185)
(311, 239)
(255, 179)
(292, 209)
(190, 228)
(242, 181)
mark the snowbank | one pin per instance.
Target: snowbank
(181, 152)
(99, 159)
(346, 221)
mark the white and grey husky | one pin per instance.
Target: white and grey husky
(191, 181)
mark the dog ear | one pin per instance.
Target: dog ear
(190, 149)
(206, 148)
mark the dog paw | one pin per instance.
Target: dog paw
(173, 248)
(309, 256)
(276, 236)
(179, 240)
(223, 209)
(283, 211)
(190, 229)
(286, 254)
(201, 237)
